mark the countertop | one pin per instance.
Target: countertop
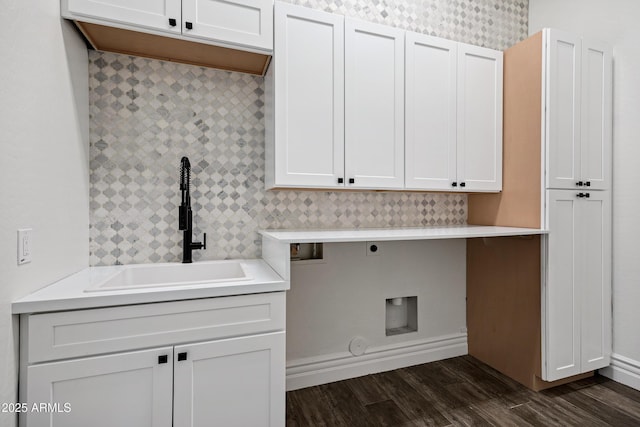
(69, 293)
(389, 234)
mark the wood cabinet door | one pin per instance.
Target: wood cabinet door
(594, 253)
(153, 14)
(131, 389)
(561, 289)
(374, 105)
(234, 382)
(309, 98)
(479, 110)
(563, 104)
(595, 149)
(430, 109)
(240, 22)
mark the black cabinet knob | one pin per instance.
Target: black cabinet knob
(463, 184)
(580, 195)
(588, 183)
(587, 195)
(163, 359)
(189, 25)
(579, 183)
(182, 356)
(454, 184)
(352, 180)
(340, 180)
(172, 22)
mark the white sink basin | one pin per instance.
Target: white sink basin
(161, 275)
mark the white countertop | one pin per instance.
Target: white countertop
(69, 293)
(382, 234)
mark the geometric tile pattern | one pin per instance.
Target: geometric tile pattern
(496, 24)
(146, 114)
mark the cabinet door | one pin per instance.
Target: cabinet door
(561, 288)
(309, 93)
(563, 88)
(430, 123)
(479, 106)
(125, 389)
(595, 279)
(374, 105)
(234, 382)
(595, 152)
(154, 14)
(242, 22)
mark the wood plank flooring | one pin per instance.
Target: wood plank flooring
(460, 392)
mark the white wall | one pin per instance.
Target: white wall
(43, 161)
(330, 304)
(616, 22)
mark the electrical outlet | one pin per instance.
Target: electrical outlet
(373, 248)
(24, 245)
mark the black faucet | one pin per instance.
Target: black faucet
(185, 216)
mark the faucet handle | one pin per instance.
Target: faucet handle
(200, 245)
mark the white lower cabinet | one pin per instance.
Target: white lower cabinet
(577, 289)
(235, 382)
(124, 389)
(227, 380)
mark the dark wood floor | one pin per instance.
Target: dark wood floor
(460, 391)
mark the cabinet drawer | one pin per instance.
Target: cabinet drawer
(61, 335)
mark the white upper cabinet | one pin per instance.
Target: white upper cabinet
(578, 112)
(578, 283)
(352, 104)
(245, 22)
(453, 116)
(430, 121)
(305, 100)
(479, 135)
(154, 14)
(596, 118)
(563, 109)
(374, 105)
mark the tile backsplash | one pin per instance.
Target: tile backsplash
(146, 114)
(496, 24)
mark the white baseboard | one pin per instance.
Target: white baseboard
(308, 372)
(623, 370)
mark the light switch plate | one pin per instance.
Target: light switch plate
(24, 245)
